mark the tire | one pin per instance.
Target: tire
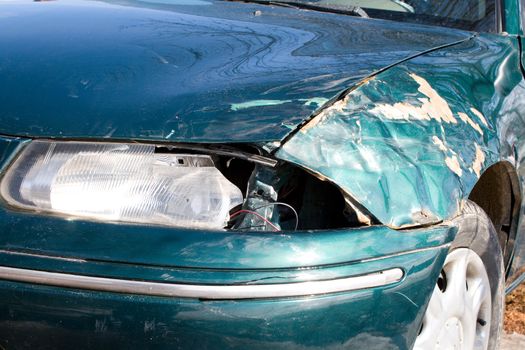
(453, 318)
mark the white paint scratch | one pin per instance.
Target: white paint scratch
(466, 119)
(437, 141)
(432, 107)
(480, 116)
(257, 103)
(452, 163)
(478, 162)
(451, 159)
(170, 134)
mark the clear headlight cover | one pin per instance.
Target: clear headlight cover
(120, 182)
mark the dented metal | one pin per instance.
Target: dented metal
(410, 143)
(403, 119)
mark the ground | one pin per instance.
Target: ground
(514, 323)
(515, 312)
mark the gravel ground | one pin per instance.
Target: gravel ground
(513, 341)
(514, 323)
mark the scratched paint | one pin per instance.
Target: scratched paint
(410, 143)
(451, 159)
(315, 101)
(466, 119)
(433, 106)
(479, 115)
(478, 162)
(257, 103)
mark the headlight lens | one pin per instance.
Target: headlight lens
(120, 182)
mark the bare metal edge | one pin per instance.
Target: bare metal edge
(213, 292)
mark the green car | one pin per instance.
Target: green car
(260, 174)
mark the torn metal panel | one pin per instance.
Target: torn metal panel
(410, 143)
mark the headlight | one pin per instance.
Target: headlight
(120, 182)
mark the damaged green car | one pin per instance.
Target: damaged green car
(260, 174)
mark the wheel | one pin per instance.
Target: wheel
(465, 310)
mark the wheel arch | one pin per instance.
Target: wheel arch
(498, 193)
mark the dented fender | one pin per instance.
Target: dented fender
(409, 143)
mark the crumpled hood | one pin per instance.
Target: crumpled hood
(197, 72)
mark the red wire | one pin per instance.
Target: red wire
(256, 214)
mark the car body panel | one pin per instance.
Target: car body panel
(9, 148)
(159, 254)
(228, 72)
(518, 264)
(512, 10)
(57, 317)
(521, 13)
(208, 73)
(427, 127)
(44, 235)
(521, 7)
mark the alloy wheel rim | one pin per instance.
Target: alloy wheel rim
(459, 311)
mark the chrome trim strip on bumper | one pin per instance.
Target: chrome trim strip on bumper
(216, 292)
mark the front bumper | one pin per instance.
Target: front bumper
(387, 317)
(36, 311)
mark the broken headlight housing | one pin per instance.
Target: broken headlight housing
(120, 182)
